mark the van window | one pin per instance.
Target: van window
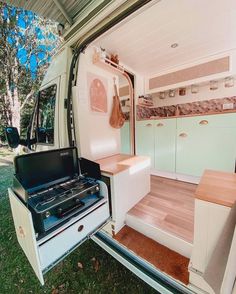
(46, 114)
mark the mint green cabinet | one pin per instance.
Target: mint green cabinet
(165, 145)
(125, 138)
(206, 142)
(145, 139)
(156, 139)
(189, 145)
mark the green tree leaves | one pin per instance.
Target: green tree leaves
(27, 43)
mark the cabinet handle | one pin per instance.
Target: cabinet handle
(183, 135)
(80, 228)
(160, 125)
(203, 122)
(148, 125)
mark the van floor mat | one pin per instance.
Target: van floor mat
(163, 258)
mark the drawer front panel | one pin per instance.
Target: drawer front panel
(59, 245)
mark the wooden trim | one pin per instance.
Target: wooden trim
(191, 73)
(132, 113)
(124, 91)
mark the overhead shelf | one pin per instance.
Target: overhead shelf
(215, 68)
(107, 64)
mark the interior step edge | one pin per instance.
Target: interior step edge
(165, 238)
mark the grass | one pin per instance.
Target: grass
(5, 152)
(17, 275)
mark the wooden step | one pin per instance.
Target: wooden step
(166, 214)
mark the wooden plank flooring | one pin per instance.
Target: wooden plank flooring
(169, 206)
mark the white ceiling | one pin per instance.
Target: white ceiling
(200, 27)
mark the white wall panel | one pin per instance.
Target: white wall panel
(97, 139)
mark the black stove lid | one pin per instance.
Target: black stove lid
(42, 168)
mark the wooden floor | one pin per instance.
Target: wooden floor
(169, 206)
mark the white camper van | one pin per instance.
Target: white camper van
(168, 181)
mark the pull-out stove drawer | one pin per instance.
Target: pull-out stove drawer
(47, 251)
(65, 241)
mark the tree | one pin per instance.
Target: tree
(27, 43)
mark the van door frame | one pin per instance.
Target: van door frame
(161, 282)
(80, 48)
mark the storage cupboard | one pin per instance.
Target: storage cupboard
(156, 139)
(189, 145)
(145, 139)
(206, 142)
(164, 145)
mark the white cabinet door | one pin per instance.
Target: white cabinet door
(209, 220)
(25, 233)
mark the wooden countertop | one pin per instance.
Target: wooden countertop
(217, 187)
(117, 163)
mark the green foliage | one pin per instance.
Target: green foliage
(27, 43)
(6, 173)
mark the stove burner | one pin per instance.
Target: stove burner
(61, 193)
(60, 202)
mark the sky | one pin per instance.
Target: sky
(45, 40)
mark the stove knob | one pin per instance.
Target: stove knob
(47, 214)
(59, 210)
(77, 200)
